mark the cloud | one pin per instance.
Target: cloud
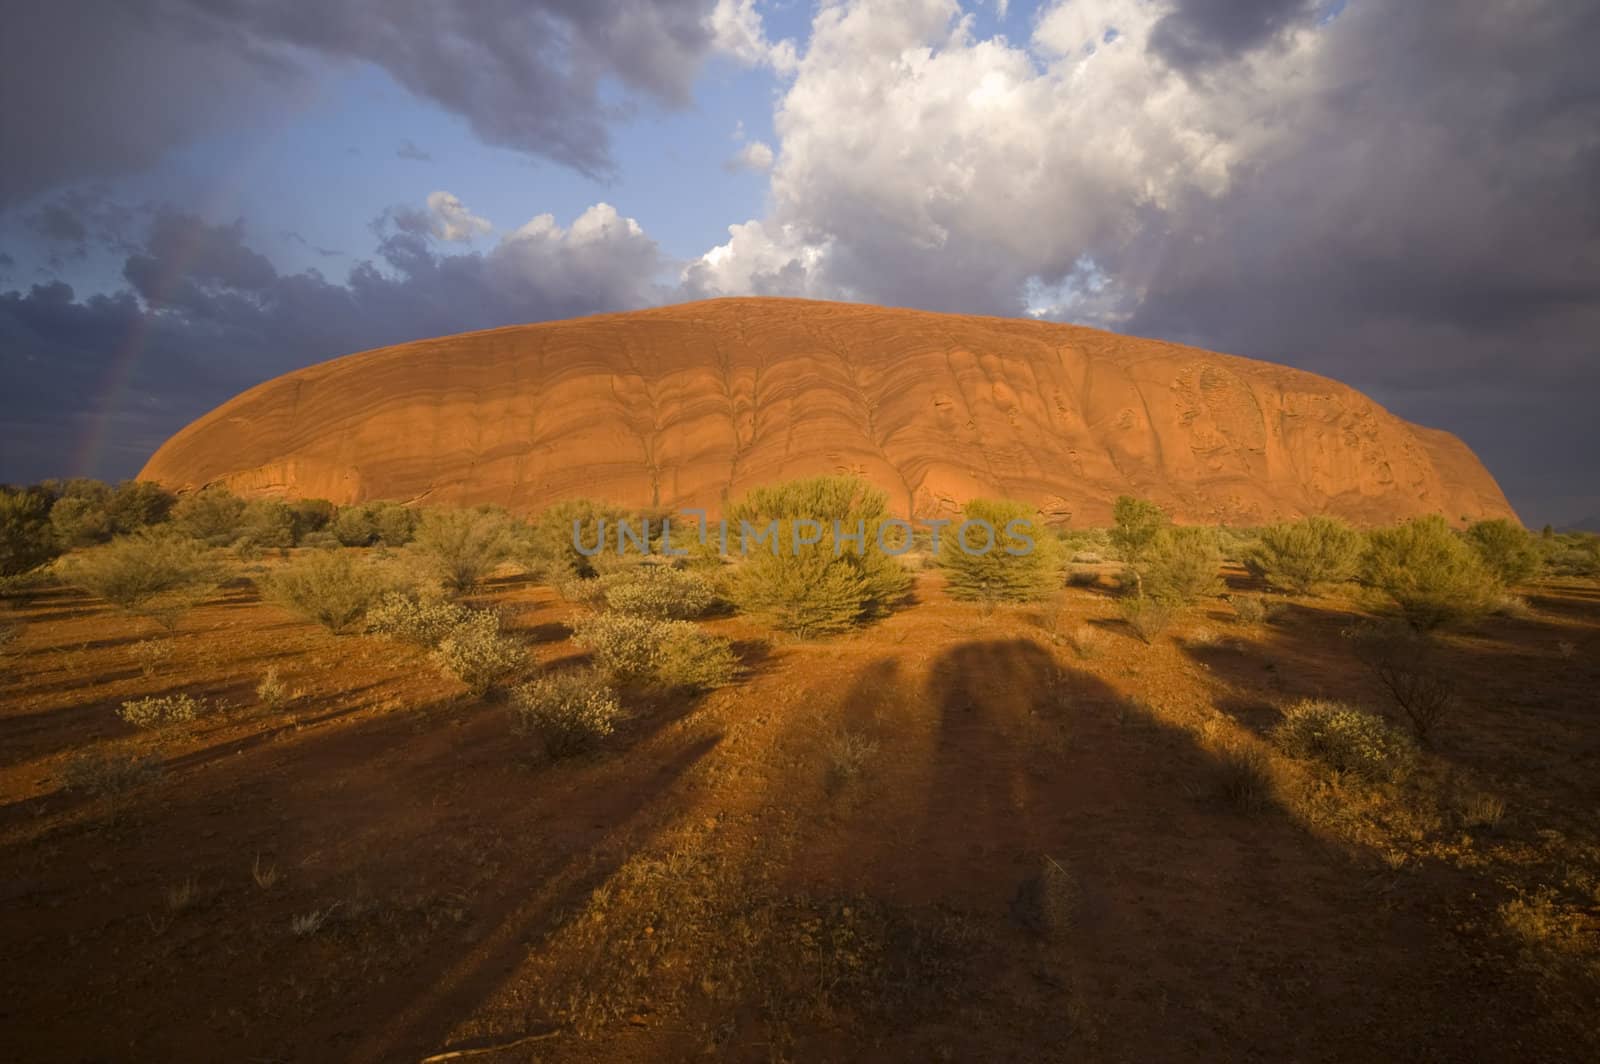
(738, 30)
(1202, 33)
(205, 316)
(408, 150)
(111, 86)
(755, 156)
(452, 221)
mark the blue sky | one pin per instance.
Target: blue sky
(1394, 195)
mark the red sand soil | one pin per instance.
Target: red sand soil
(691, 405)
(702, 885)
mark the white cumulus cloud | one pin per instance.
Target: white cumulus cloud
(451, 219)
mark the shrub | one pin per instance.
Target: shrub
(1137, 523)
(1022, 560)
(1507, 551)
(1244, 777)
(151, 654)
(151, 574)
(1250, 609)
(568, 711)
(1180, 566)
(659, 591)
(103, 774)
(81, 515)
(139, 504)
(1345, 739)
(476, 653)
(267, 523)
(1305, 555)
(272, 691)
(1147, 617)
(646, 652)
(822, 587)
(212, 515)
(27, 540)
(332, 588)
(1085, 641)
(310, 515)
(549, 548)
(162, 711)
(461, 547)
(1432, 577)
(353, 526)
(409, 619)
(849, 753)
(1574, 554)
(1405, 663)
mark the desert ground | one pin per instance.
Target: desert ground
(963, 832)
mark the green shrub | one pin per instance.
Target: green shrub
(1429, 573)
(410, 619)
(1573, 554)
(1020, 560)
(267, 523)
(153, 574)
(104, 774)
(1180, 566)
(659, 591)
(311, 515)
(160, 712)
(139, 504)
(1137, 523)
(1507, 551)
(822, 587)
(549, 549)
(461, 547)
(1345, 739)
(1147, 617)
(569, 712)
(212, 515)
(332, 588)
(354, 526)
(1303, 556)
(27, 540)
(475, 652)
(1244, 777)
(1250, 609)
(81, 515)
(641, 651)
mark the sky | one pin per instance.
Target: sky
(1404, 195)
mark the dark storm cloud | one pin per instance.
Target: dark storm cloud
(101, 88)
(1430, 232)
(207, 316)
(1199, 33)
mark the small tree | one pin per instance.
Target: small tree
(462, 546)
(27, 540)
(1007, 555)
(812, 576)
(1181, 566)
(330, 587)
(81, 515)
(212, 515)
(151, 574)
(311, 515)
(1137, 522)
(1305, 555)
(551, 547)
(139, 504)
(1507, 550)
(1429, 573)
(1406, 663)
(267, 523)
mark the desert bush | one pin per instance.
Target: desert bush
(848, 755)
(311, 515)
(1251, 609)
(568, 711)
(151, 654)
(1137, 523)
(1303, 556)
(1147, 617)
(81, 514)
(333, 588)
(109, 774)
(1020, 560)
(659, 591)
(409, 618)
(153, 574)
(212, 515)
(1236, 544)
(1507, 550)
(1573, 554)
(1429, 574)
(549, 548)
(823, 587)
(158, 712)
(272, 691)
(1085, 641)
(1180, 566)
(475, 652)
(1244, 777)
(1083, 577)
(1345, 739)
(267, 523)
(353, 526)
(641, 651)
(27, 539)
(1406, 663)
(137, 505)
(461, 547)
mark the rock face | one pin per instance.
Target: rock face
(691, 405)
